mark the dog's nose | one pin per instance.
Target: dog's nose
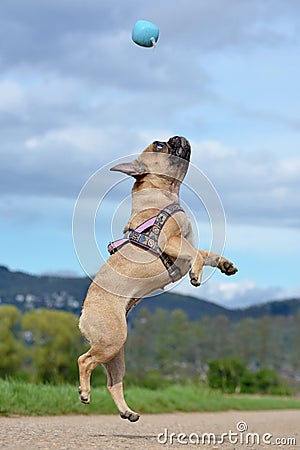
(180, 146)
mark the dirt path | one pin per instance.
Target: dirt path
(111, 432)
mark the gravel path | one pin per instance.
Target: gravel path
(111, 432)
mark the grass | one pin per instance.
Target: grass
(35, 400)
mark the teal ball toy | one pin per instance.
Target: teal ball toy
(145, 33)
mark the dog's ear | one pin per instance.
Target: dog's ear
(134, 168)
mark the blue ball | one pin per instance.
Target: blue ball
(145, 33)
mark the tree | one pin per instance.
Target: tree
(54, 344)
(245, 340)
(265, 345)
(222, 335)
(295, 360)
(204, 333)
(140, 345)
(226, 374)
(11, 349)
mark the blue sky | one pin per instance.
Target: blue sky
(76, 94)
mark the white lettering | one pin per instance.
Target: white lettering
(266, 438)
(172, 436)
(233, 437)
(191, 438)
(163, 435)
(252, 438)
(221, 440)
(182, 439)
(211, 438)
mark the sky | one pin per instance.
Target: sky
(76, 95)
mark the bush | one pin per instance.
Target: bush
(230, 375)
(226, 374)
(266, 381)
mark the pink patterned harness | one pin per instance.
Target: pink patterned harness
(146, 235)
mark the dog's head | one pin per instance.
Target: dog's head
(166, 160)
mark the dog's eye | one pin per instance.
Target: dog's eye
(159, 146)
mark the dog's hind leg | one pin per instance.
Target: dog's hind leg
(86, 364)
(115, 373)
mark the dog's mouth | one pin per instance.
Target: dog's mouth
(176, 146)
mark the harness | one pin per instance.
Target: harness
(146, 236)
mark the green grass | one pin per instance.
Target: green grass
(33, 400)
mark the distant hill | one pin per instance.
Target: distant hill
(196, 308)
(13, 283)
(31, 291)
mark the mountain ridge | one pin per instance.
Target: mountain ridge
(27, 291)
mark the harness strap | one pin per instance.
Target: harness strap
(149, 240)
(173, 270)
(114, 246)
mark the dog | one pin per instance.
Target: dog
(157, 249)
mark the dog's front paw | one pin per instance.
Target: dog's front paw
(228, 268)
(194, 279)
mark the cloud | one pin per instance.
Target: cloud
(93, 39)
(241, 294)
(280, 116)
(254, 189)
(11, 96)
